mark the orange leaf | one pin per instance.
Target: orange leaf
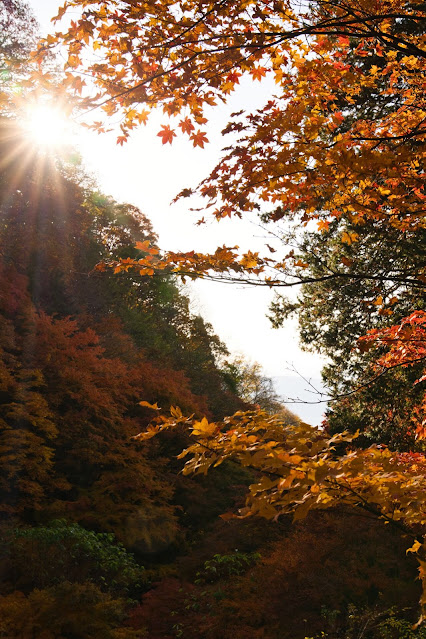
(258, 73)
(142, 116)
(166, 134)
(186, 126)
(323, 225)
(148, 405)
(199, 139)
(249, 260)
(142, 246)
(349, 237)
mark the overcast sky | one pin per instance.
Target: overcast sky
(146, 174)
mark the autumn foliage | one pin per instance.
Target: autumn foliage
(98, 342)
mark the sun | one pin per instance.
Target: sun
(47, 126)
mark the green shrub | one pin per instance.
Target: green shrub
(393, 628)
(225, 566)
(44, 556)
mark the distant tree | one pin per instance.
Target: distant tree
(81, 611)
(18, 37)
(27, 424)
(248, 381)
(377, 400)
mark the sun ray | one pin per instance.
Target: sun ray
(47, 126)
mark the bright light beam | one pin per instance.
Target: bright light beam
(47, 127)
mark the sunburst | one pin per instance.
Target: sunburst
(47, 127)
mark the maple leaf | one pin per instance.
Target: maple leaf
(78, 84)
(203, 428)
(249, 260)
(61, 11)
(166, 134)
(234, 77)
(199, 139)
(143, 246)
(349, 237)
(73, 61)
(323, 225)
(258, 73)
(186, 126)
(142, 116)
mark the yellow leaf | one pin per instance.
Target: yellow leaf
(73, 61)
(148, 405)
(349, 238)
(150, 432)
(175, 411)
(203, 428)
(249, 260)
(414, 548)
(302, 510)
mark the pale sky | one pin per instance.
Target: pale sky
(149, 175)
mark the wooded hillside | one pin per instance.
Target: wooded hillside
(151, 485)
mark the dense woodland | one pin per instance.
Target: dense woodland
(264, 527)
